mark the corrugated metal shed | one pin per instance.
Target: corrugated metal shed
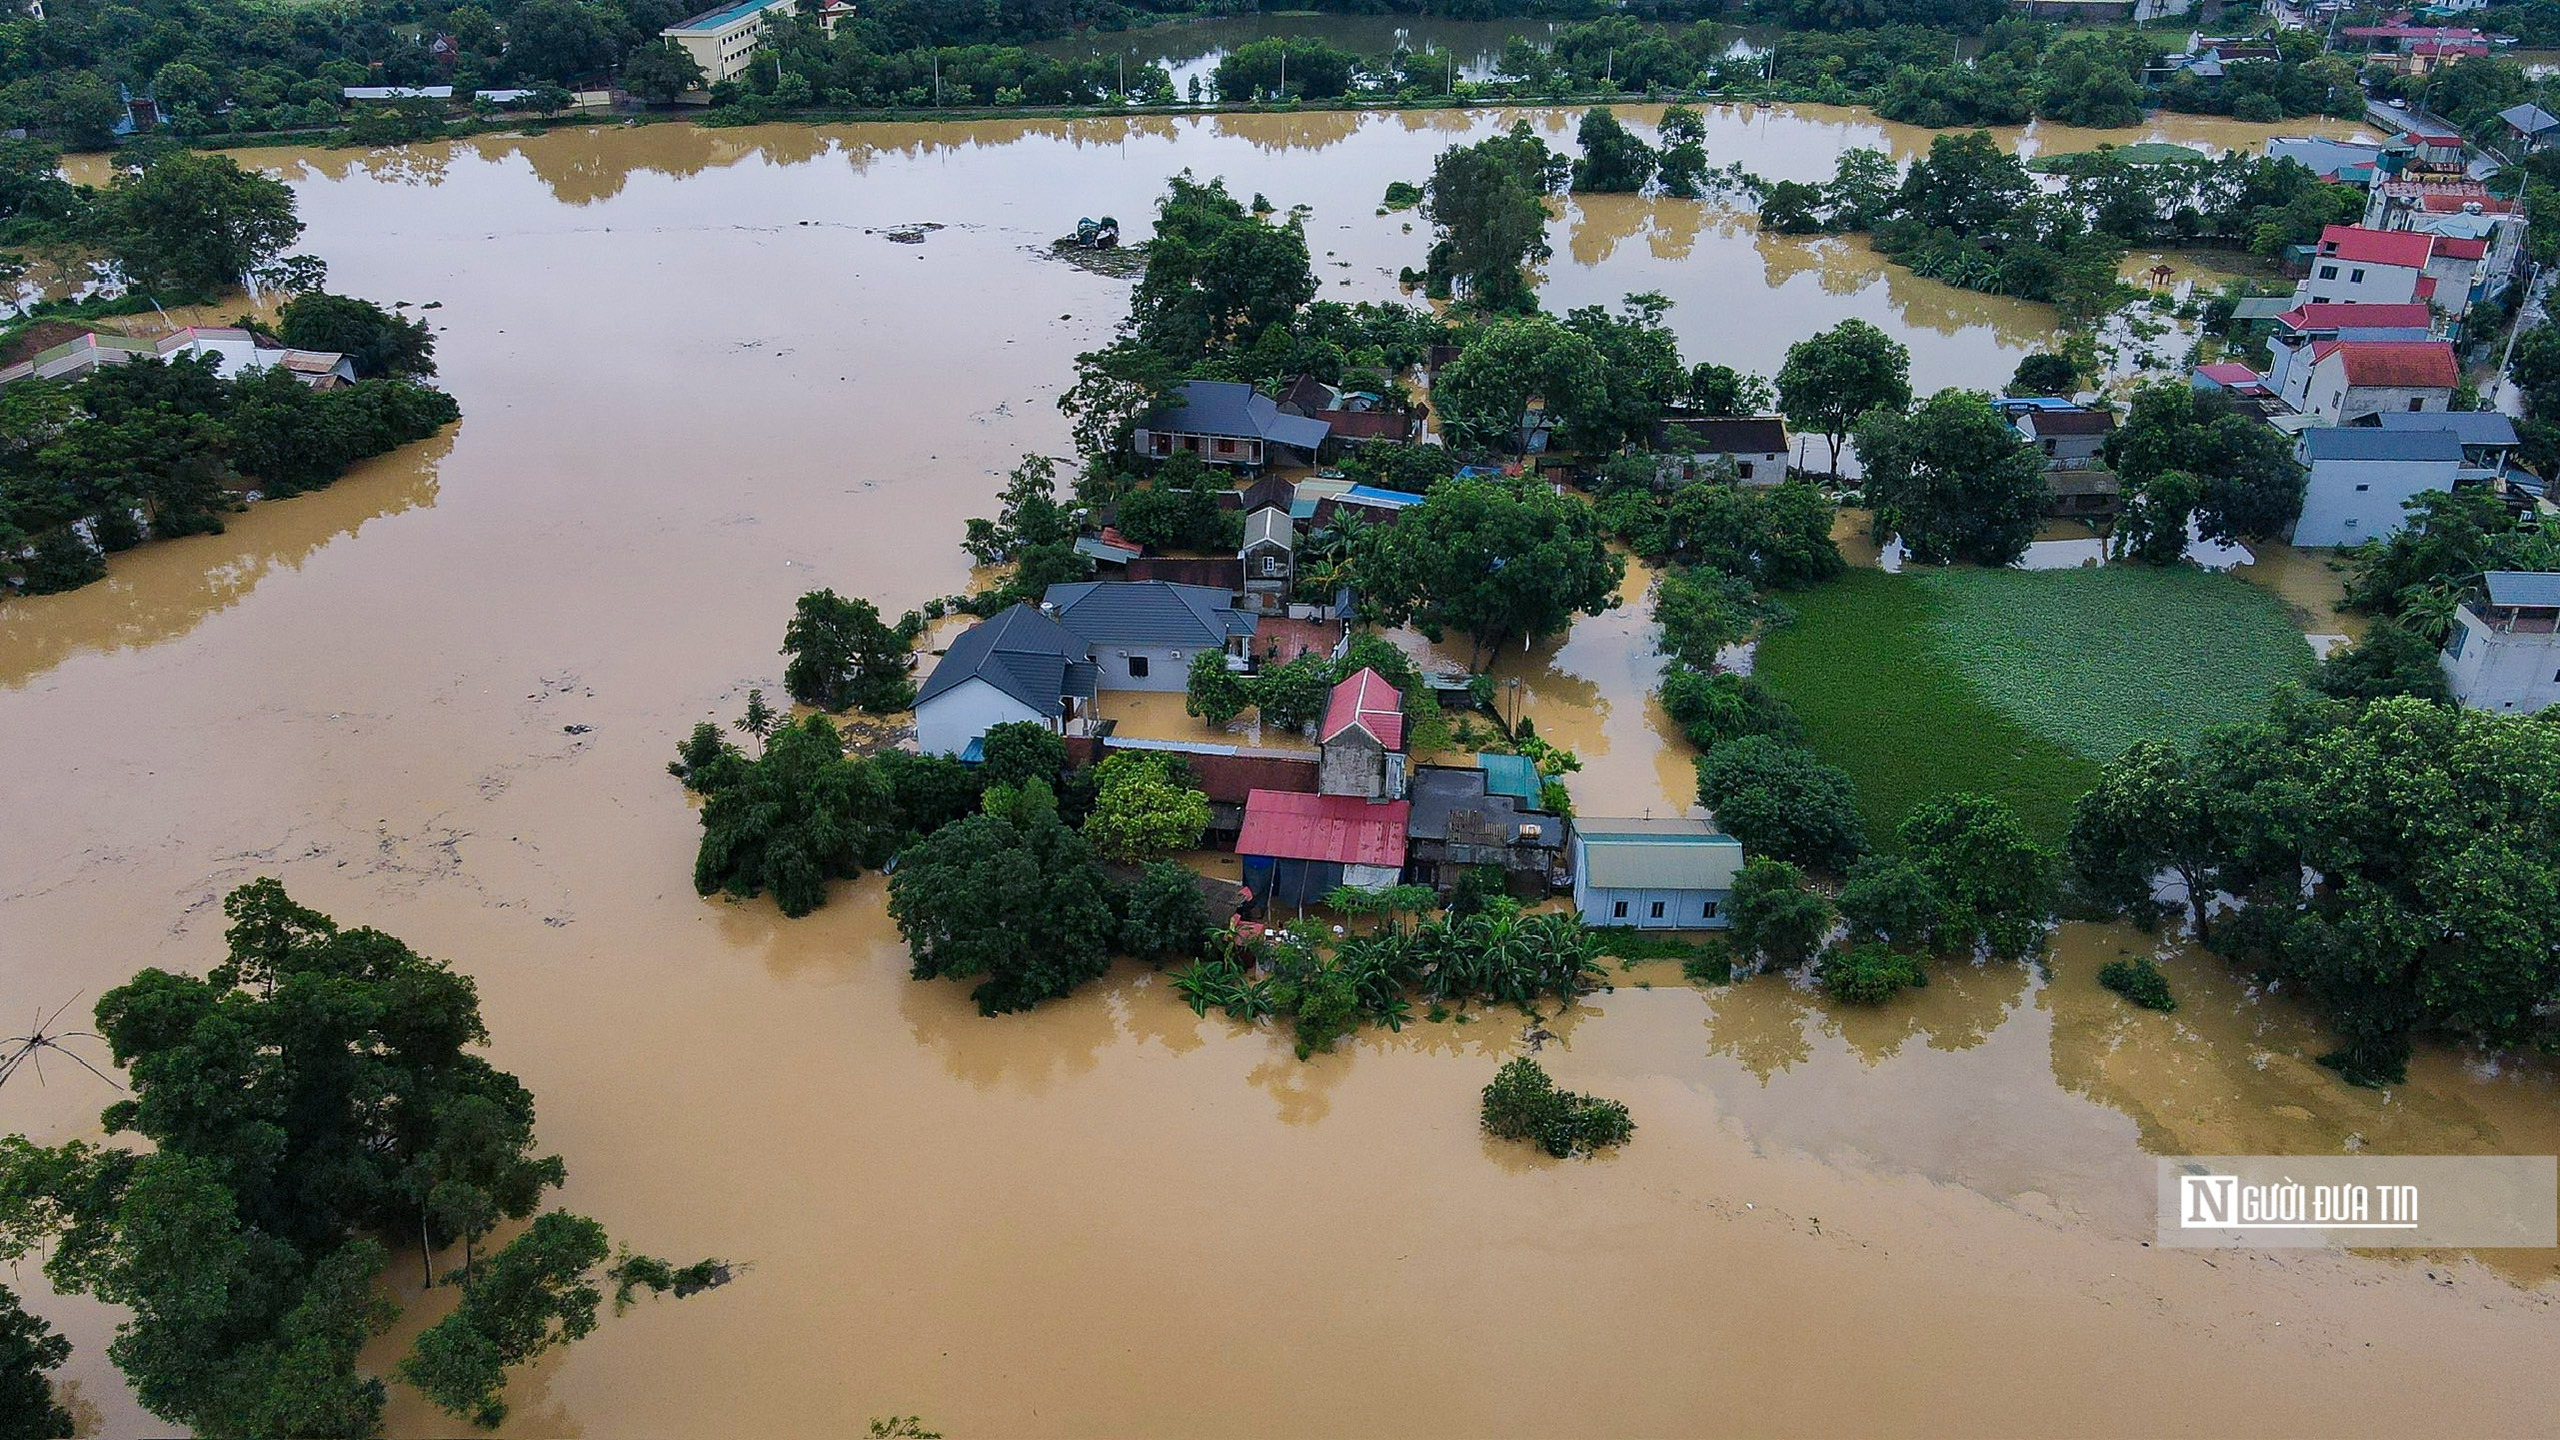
(2522, 587)
(1512, 775)
(1657, 855)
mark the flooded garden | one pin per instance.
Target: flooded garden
(705, 371)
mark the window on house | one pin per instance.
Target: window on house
(1708, 913)
(2351, 524)
(1657, 909)
(1137, 667)
(2364, 487)
(1618, 911)
(2356, 277)
(2328, 272)
(1743, 470)
(2418, 404)
(1226, 447)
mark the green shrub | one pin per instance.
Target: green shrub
(2139, 981)
(1869, 974)
(1523, 1103)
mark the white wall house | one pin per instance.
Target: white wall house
(2362, 476)
(2300, 328)
(1017, 664)
(2366, 267)
(2349, 380)
(2504, 652)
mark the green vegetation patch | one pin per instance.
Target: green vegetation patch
(2096, 659)
(1861, 670)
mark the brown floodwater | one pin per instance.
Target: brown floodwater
(699, 379)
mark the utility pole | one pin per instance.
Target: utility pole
(1284, 72)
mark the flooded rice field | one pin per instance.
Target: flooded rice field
(698, 379)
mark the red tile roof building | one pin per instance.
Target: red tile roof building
(2348, 315)
(2404, 248)
(1364, 700)
(2395, 364)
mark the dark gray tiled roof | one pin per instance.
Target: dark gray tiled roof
(1225, 407)
(1021, 652)
(2369, 442)
(2472, 427)
(1147, 612)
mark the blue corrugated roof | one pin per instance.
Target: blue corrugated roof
(2522, 587)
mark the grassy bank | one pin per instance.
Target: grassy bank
(2019, 684)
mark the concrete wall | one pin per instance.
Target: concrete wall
(949, 721)
(2503, 672)
(2348, 502)
(1681, 909)
(1168, 666)
(2334, 279)
(1352, 765)
(2330, 399)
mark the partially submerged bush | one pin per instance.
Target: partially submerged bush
(1869, 974)
(1523, 1103)
(2139, 981)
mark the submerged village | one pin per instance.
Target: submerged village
(1756, 660)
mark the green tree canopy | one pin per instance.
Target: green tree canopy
(377, 340)
(1835, 377)
(1494, 558)
(842, 653)
(1010, 897)
(1488, 211)
(1142, 809)
(1781, 802)
(1217, 275)
(196, 225)
(2392, 857)
(1952, 479)
(319, 1087)
(1613, 160)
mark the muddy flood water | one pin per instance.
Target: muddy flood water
(698, 379)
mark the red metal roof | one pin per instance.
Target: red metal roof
(2406, 364)
(2426, 287)
(2345, 315)
(2457, 247)
(2375, 247)
(1340, 829)
(1364, 698)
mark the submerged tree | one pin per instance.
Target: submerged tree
(316, 1089)
(1010, 897)
(1495, 559)
(842, 653)
(28, 1348)
(1613, 160)
(1488, 208)
(1952, 479)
